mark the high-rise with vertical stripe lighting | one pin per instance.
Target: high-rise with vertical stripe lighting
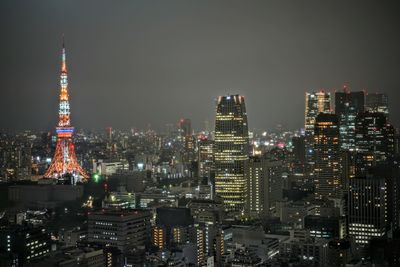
(231, 151)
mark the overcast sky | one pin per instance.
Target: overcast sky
(134, 63)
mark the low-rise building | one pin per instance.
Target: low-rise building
(123, 229)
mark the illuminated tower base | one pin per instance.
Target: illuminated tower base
(64, 161)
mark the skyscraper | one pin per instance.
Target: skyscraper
(185, 130)
(374, 140)
(316, 102)
(264, 185)
(185, 127)
(390, 171)
(367, 207)
(65, 162)
(205, 156)
(298, 143)
(327, 156)
(377, 102)
(231, 151)
(347, 106)
(16, 159)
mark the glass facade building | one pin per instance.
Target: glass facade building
(327, 156)
(316, 102)
(347, 106)
(231, 151)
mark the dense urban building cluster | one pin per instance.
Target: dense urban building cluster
(325, 195)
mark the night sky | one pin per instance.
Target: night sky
(134, 63)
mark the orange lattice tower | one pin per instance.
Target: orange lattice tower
(64, 161)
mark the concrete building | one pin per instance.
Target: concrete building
(123, 229)
(120, 199)
(264, 185)
(70, 238)
(24, 244)
(311, 252)
(107, 168)
(72, 257)
(40, 195)
(87, 258)
(367, 209)
(206, 211)
(173, 226)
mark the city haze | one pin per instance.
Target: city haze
(132, 64)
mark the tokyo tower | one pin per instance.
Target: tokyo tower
(64, 163)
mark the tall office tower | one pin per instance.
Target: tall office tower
(367, 209)
(264, 185)
(16, 160)
(374, 140)
(377, 102)
(347, 106)
(170, 129)
(347, 167)
(299, 152)
(327, 156)
(390, 171)
(65, 162)
(205, 156)
(397, 143)
(316, 102)
(207, 127)
(185, 129)
(231, 151)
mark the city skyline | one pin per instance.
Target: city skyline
(199, 133)
(155, 59)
